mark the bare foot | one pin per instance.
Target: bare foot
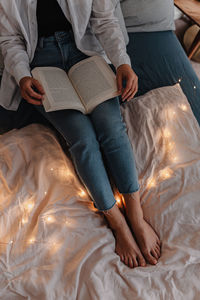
(147, 239)
(126, 246)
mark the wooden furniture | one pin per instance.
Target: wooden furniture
(191, 8)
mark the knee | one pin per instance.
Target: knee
(112, 132)
(84, 145)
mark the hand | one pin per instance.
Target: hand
(126, 72)
(28, 86)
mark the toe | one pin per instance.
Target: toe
(122, 257)
(130, 262)
(141, 261)
(158, 242)
(135, 263)
(126, 260)
(154, 254)
(157, 249)
(152, 260)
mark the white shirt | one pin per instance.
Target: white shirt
(148, 15)
(94, 25)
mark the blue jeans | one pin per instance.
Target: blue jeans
(159, 60)
(90, 136)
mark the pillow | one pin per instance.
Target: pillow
(165, 137)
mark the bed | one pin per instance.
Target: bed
(54, 245)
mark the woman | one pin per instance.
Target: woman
(156, 54)
(68, 34)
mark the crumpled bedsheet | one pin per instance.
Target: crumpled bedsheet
(55, 245)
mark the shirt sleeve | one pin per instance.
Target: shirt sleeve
(15, 57)
(107, 29)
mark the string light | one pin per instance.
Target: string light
(29, 206)
(179, 80)
(82, 193)
(49, 219)
(52, 169)
(171, 113)
(67, 222)
(45, 193)
(174, 158)
(170, 146)
(166, 133)
(166, 173)
(24, 220)
(183, 107)
(151, 183)
(31, 240)
(118, 199)
(195, 87)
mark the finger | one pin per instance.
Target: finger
(30, 100)
(119, 83)
(38, 86)
(129, 94)
(127, 89)
(33, 94)
(132, 95)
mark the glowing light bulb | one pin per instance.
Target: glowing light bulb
(11, 242)
(151, 183)
(67, 222)
(24, 220)
(179, 80)
(118, 199)
(195, 87)
(29, 206)
(171, 113)
(166, 173)
(170, 146)
(45, 193)
(167, 133)
(49, 219)
(31, 240)
(52, 169)
(183, 107)
(174, 158)
(82, 193)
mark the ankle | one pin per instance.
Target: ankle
(115, 218)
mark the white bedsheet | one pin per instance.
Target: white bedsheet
(54, 245)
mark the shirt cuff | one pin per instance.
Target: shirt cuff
(121, 61)
(21, 71)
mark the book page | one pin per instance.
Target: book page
(94, 81)
(59, 92)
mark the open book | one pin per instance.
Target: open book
(87, 84)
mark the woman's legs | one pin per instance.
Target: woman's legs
(159, 60)
(114, 142)
(78, 131)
